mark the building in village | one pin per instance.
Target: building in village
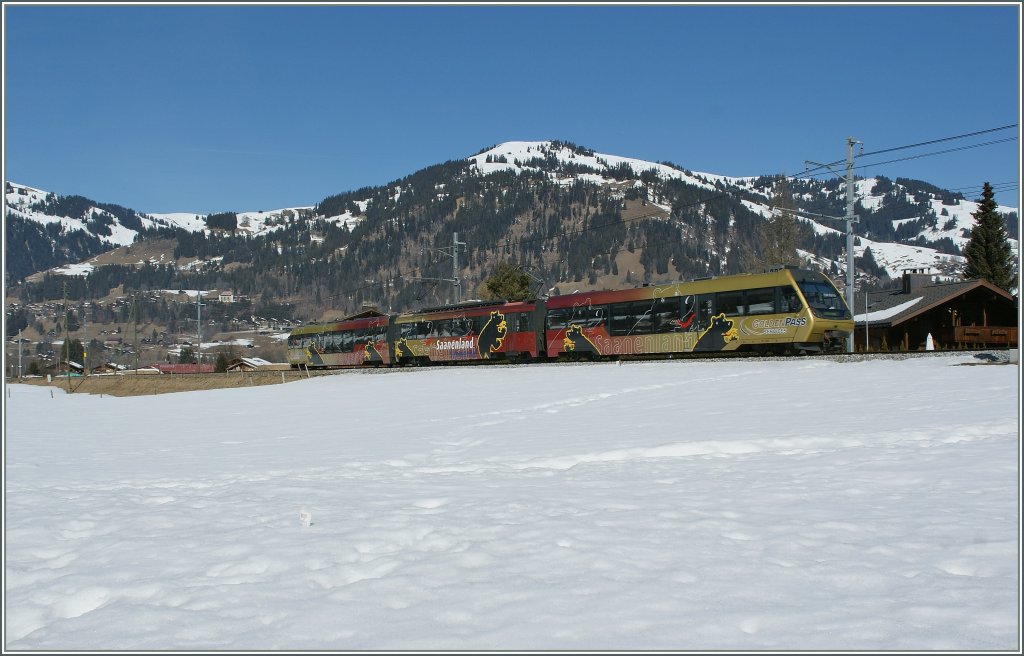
(256, 364)
(970, 314)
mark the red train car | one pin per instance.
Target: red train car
(469, 331)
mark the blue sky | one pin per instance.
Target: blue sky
(217, 108)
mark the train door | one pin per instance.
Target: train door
(537, 317)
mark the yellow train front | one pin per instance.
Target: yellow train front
(788, 310)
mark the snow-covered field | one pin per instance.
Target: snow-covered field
(739, 505)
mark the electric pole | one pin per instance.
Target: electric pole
(199, 331)
(85, 342)
(455, 280)
(850, 219)
(67, 346)
(455, 266)
(851, 198)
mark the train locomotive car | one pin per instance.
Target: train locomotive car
(355, 341)
(496, 330)
(787, 310)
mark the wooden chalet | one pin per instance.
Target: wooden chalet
(971, 314)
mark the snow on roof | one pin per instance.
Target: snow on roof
(887, 313)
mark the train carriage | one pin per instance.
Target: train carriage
(785, 310)
(360, 340)
(470, 331)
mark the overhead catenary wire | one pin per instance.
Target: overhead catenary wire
(904, 159)
(916, 145)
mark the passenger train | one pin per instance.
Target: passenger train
(784, 311)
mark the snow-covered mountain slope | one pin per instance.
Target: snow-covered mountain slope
(941, 218)
(27, 203)
(31, 203)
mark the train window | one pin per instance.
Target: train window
(631, 318)
(665, 312)
(824, 300)
(557, 319)
(461, 326)
(731, 303)
(588, 317)
(761, 301)
(621, 319)
(415, 329)
(789, 300)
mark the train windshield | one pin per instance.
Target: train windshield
(824, 300)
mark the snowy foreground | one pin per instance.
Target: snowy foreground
(754, 505)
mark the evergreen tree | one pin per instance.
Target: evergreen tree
(72, 350)
(222, 364)
(509, 283)
(778, 237)
(988, 254)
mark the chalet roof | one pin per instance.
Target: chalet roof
(251, 362)
(891, 308)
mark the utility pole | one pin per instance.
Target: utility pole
(455, 266)
(134, 317)
(867, 322)
(19, 354)
(85, 342)
(199, 331)
(67, 346)
(850, 219)
(455, 280)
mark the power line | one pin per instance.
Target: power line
(903, 159)
(917, 145)
(935, 141)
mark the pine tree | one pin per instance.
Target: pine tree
(988, 254)
(778, 237)
(508, 283)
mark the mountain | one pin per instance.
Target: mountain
(571, 217)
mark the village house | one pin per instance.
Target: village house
(971, 314)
